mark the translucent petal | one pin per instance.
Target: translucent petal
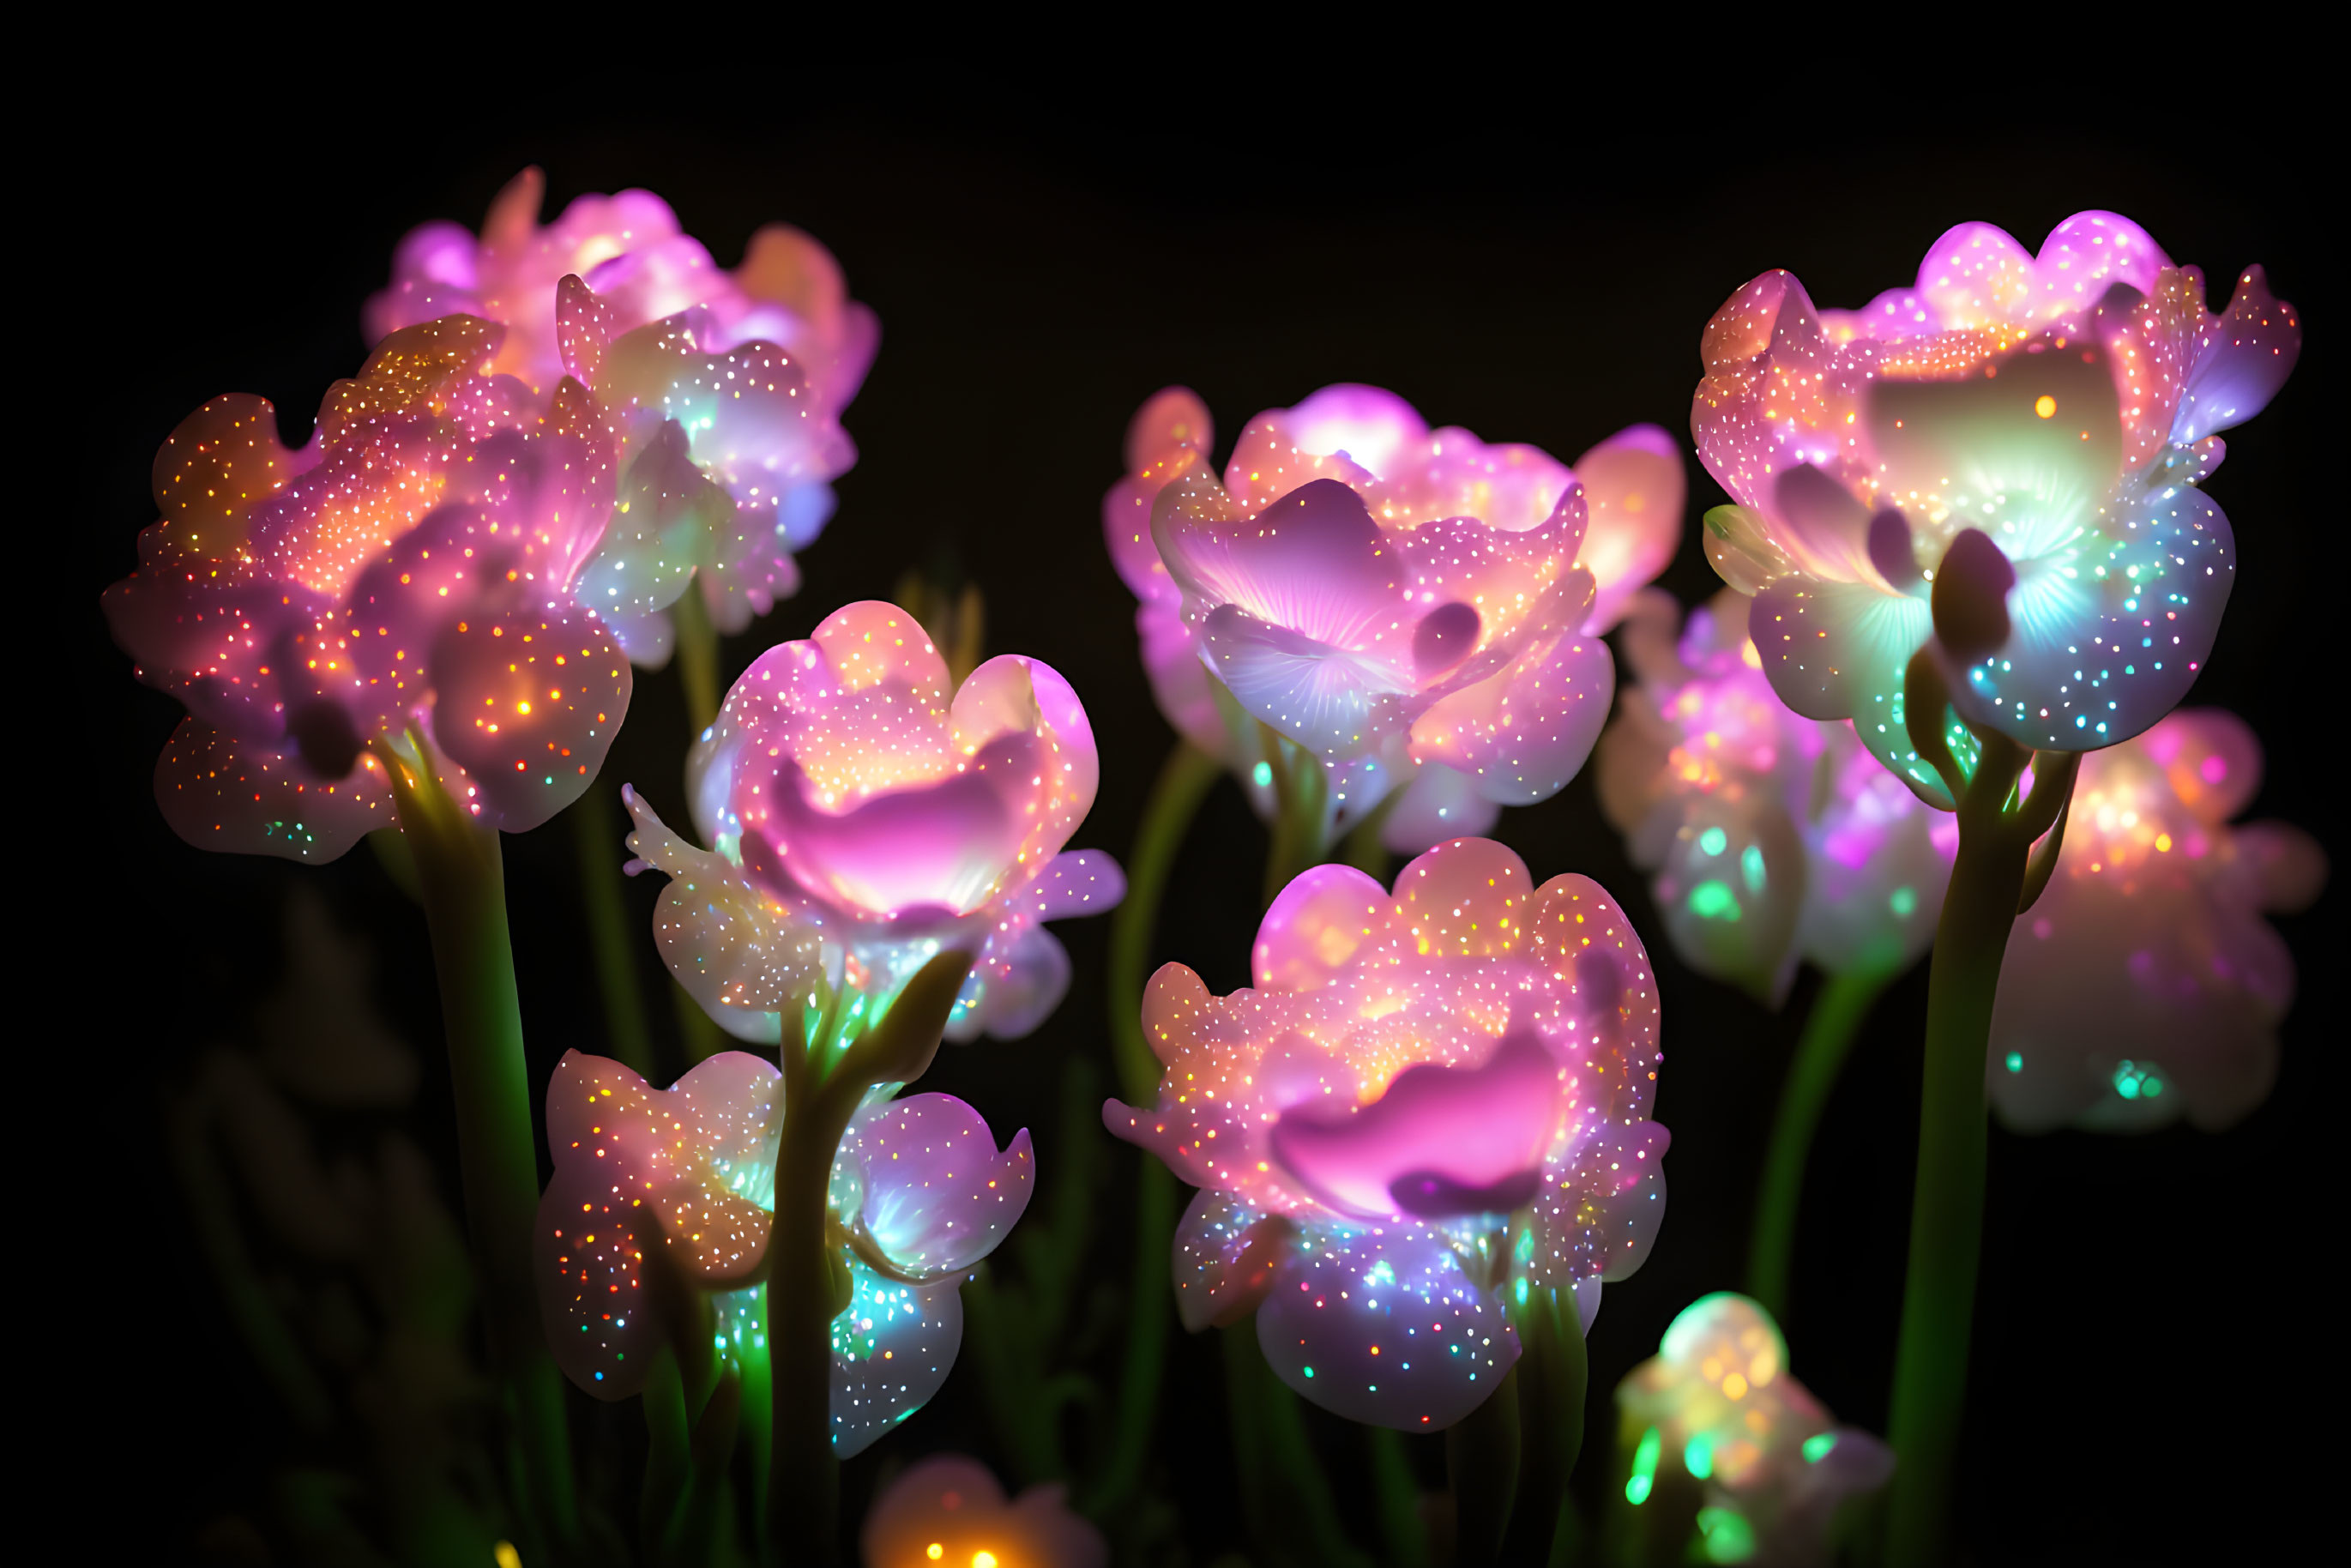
(1316, 925)
(238, 797)
(1634, 495)
(530, 693)
(891, 1350)
(1468, 898)
(1227, 1257)
(1439, 803)
(1383, 1326)
(948, 1508)
(939, 1196)
(2243, 360)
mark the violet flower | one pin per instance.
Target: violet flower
(1770, 838)
(406, 579)
(723, 388)
(1717, 1405)
(948, 1510)
(863, 819)
(1408, 1072)
(2145, 984)
(1420, 610)
(2003, 459)
(660, 1193)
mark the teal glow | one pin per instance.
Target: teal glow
(1905, 903)
(1645, 1468)
(1309, 1371)
(1818, 1445)
(1750, 866)
(1262, 775)
(1697, 1456)
(1713, 841)
(2016, 1062)
(1521, 1282)
(1712, 900)
(2134, 1081)
(1728, 1537)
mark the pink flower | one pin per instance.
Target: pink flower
(408, 574)
(1717, 1405)
(1415, 608)
(1408, 1069)
(845, 790)
(2145, 983)
(725, 389)
(658, 1193)
(948, 1510)
(1772, 837)
(2006, 454)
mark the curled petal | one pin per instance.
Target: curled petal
(892, 1348)
(2242, 361)
(1600, 1205)
(939, 1196)
(241, 798)
(1383, 1326)
(1228, 1256)
(1316, 928)
(1523, 734)
(1634, 493)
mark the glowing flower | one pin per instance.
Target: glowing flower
(2004, 458)
(1415, 608)
(659, 1194)
(1771, 837)
(1717, 1405)
(408, 574)
(864, 820)
(948, 1510)
(723, 388)
(2145, 984)
(1408, 1070)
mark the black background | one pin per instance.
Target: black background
(2153, 1327)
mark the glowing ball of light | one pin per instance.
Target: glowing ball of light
(661, 1192)
(2147, 986)
(723, 388)
(1770, 838)
(1717, 1403)
(948, 1511)
(2060, 408)
(1408, 1072)
(1418, 608)
(414, 568)
(847, 792)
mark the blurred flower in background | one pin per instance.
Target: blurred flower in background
(409, 578)
(948, 1510)
(1408, 1070)
(661, 1196)
(1715, 1421)
(865, 818)
(1419, 609)
(2147, 986)
(723, 388)
(1771, 836)
(2005, 456)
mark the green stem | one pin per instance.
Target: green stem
(698, 657)
(593, 823)
(1184, 782)
(1830, 1028)
(1481, 1459)
(1300, 794)
(462, 876)
(1147, 1317)
(1553, 1377)
(1396, 1493)
(1287, 1502)
(699, 1037)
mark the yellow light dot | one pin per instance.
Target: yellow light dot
(934, 1550)
(2163, 843)
(2045, 406)
(504, 1555)
(983, 1560)
(1734, 1387)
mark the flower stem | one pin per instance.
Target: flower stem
(1930, 1366)
(1288, 1503)
(593, 823)
(1174, 800)
(698, 657)
(1837, 1013)
(462, 876)
(1481, 1459)
(1553, 1377)
(1396, 1494)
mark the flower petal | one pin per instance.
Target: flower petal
(1383, 1327)
(1634, 494)
(1228, 1256)
(1439, 803)
(243, 798)
(2243, 360)
(938, 1195)
(892, 1348)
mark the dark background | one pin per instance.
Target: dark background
(2143, 1373)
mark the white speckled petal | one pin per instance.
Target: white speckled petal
(891, 1351)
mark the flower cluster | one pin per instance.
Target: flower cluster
(2002, 461)
(660, 1195)
(2146, 986)
(1772, 837)
(1418, 609)
(864, 816)
(723, 390)
(410, 575)
(1716, 1404)
(1408, 1070)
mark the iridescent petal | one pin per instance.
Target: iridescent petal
(243, 798)
(1634, 495)
(938, 1196)
(1226, 1258)
(892, 1348)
